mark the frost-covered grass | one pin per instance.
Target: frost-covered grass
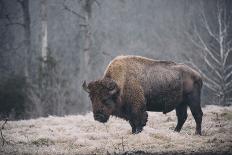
(82, 135)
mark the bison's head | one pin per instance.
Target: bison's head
(104, 95)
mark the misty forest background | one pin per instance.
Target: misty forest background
(49, 47)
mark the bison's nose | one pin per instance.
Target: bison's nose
(100, 117)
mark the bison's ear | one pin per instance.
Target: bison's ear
(85, 87)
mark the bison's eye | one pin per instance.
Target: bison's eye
(107, 101)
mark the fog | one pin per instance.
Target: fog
(49, 47)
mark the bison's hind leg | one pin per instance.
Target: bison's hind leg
(195, 107)
(181, 113)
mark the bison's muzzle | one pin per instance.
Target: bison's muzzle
(101, 117)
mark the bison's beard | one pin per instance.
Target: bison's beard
(101, 117)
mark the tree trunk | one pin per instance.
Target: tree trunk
(44, 37)
(27, 35)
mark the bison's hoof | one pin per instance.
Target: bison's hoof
(198, 133)
(137, 130)
(177, 130)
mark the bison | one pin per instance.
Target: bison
(133, 85)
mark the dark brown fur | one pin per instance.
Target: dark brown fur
(132, 85)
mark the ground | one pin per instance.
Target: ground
(80, 134)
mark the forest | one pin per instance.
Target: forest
(48, 48)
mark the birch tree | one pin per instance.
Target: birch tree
(27, 33)
(44, 30)
(85, 26)
(84, 15)
(216, 50)
(39, 90)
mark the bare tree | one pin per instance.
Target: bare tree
(44, 31)
(27, 33)
(85, 16)
(216, 47)
(25, 24)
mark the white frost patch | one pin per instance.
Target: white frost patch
(82, 135)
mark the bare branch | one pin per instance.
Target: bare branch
(229, 83)
(229, 90)
(194, 42)
(226, 55)
(229, 42)
(228, 76)
(225, 26)
(211, 84)
(224, 31)
(228, 68)
(213, 68)
(229, 50)
(200, 46)
(2, 127)
(215, 51)
(208, 27)
(73, 12)
(211, 88)
(206, 49)
(221, 37)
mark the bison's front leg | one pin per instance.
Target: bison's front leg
(132, 126)
(138, 121)
(134, 96)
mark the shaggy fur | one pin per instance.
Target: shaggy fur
(132, 85)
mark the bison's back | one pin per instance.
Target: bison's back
(162, 82)
(123, 68)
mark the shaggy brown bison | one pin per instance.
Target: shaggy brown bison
(132, 85)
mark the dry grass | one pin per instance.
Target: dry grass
(82, 135)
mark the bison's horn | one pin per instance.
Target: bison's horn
(114, 91)
(85, 87)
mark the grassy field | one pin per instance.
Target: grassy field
(80, 134)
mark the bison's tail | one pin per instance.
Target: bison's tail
(199, 82)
